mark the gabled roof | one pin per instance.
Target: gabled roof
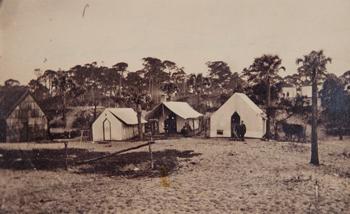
(250, 103)
(126, 115)
(181, 109)
(10, 97)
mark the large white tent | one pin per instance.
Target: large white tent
(243, 109)
(115, 124)
(178, 113)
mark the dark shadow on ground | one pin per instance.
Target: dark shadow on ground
(42, 159)
(138, 164)
(131, 164)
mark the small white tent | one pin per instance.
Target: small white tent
(238, 108)
(177, 113)
(115, 124)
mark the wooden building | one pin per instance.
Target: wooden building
(21, 118)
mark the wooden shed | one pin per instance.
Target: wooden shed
(21, 118)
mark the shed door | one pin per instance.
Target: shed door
(107, 132)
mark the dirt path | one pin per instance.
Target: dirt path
(191, 175)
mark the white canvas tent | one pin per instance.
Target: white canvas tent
(243, 108)
(178, 112)
(115, 124)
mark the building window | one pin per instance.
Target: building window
(219, 132)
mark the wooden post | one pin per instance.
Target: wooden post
(66, 155)
(151, 142)
(150, 151)
(81, 135)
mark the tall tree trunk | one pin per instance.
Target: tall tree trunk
(198, 99)
(95, 111)
(314, 144)
(150, 87)
(120, 84)
(184, 90)
(64, 107)
(139, 122)
(48, 132)
(94, 103)
(268, 109)
(340, 120)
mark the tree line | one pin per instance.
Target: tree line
(92, 85)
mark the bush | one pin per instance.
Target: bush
(58, 124)
(83, 120)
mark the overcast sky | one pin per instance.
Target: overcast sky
(55, 34)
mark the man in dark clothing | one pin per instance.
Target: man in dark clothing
(186, 130)
(166, 126)
(243, 130)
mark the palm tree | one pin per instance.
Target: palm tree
(293, 80)
(313, 68)
(346, 77)
(265, 69)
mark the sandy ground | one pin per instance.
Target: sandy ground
(190, 176)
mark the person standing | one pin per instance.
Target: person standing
(243, 130)
(166, 125)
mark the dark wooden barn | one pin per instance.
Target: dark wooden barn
(21, 118)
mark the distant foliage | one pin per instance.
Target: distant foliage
(11, 83)
(95, 85)
(83, 120)
(336, 104)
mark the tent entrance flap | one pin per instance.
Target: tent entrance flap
(235, 121)
(170, 123)
(107, 130)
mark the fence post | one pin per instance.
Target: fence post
(150, 150)
(66, 155)
(81, 135)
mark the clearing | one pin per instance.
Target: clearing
(191, 175)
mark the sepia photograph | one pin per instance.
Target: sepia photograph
(175, 106)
